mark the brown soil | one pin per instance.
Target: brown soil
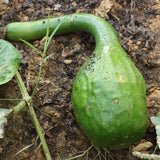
(137, 23)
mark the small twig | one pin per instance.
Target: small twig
(108, 152)
(98, 150)
(80, 155)
(155, 149)
(42, 87)
(146, 156)
(127, 40)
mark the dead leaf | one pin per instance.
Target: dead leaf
(103, 9)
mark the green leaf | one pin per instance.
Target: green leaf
(29, 44)
(48, 57)
(3, 119)
(51, 36)
(9, 61)
(47, 31)
(156, 121)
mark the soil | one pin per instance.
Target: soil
(137, 24)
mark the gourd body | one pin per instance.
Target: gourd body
(109, 100)
(109, 93)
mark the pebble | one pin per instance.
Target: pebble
(57, 6)
(138, 42)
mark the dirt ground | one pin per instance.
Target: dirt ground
(137, 23)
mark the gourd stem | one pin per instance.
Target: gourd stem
(21, 85)
(32, 113)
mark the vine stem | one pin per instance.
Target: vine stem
(32, 114)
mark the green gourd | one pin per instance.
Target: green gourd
(109, 93)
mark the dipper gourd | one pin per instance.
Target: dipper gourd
(109, 93)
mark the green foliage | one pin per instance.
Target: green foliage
(156, 121)
(9, 61)
(47, 41)
(3, 119)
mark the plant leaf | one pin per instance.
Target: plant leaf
(9, 61)
(156, 121)
(47, 31)
(51, 36)
(3, 119)
(48, 57)
(29, 44)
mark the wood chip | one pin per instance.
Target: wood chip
(143, 146)
(67, 61)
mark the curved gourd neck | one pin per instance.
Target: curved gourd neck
(101, 30)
